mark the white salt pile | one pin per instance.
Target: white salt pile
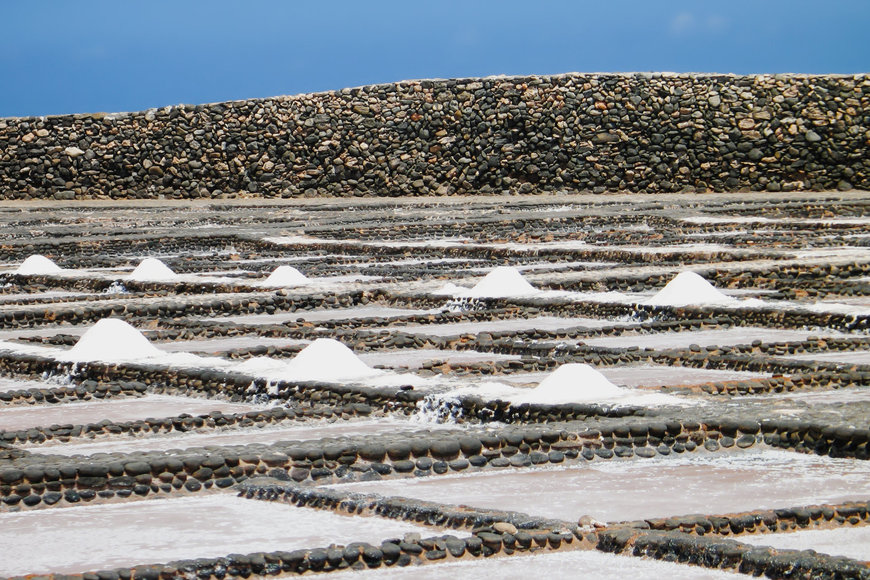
(112, 339)
(688, 288)
(285, 277)
(152, 270)
(326, 359)
(37, 265)
(571, 383)
(502, 282)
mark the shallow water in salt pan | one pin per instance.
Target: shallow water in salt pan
(615, 490)
(97, 537)
(721, 337)
(510, 325)
(590, 565)
(115, 410)
(848, 542)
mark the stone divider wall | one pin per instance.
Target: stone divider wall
(645, 132)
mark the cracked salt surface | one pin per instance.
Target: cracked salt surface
(98, 537)
(585, 564)
(848, 542)
(617, 490)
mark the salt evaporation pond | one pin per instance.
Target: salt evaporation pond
(848, 542)
(618, 490)
(10, 384)
(322, 315)
(832, 397)
(852, 357)
(587, 564)
(414, 359)
(265, 435)
(98, 537)
(14, 418)
(218, 345)
(12, 333)
(545, 323)
(717, 337)
(648, 376)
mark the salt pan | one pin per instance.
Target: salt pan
(689, 288)
(152, 270)
(37, 265)
(285, 277)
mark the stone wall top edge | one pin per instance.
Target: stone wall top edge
(457, 81)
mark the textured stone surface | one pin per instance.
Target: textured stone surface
(575, 132)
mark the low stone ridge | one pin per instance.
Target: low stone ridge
(573, 132)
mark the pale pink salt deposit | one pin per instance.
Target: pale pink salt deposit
(285, 277)
(111, 339)
(37, 265)
(688, 288)
(152, 270)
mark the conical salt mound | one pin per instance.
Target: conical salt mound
(36, 265)
(112, 339)
(151, 270)
(688, 288)
(285, 277)
(326, 359)
(572, 383)
(502, 282)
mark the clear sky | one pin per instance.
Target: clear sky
(63, 56)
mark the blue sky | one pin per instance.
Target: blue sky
(88, 56)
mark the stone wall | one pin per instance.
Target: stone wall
(576, 132)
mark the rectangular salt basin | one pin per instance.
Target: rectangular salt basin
(848, 542)
(586, 564)
(15, 418)
(852, 357)
(218, 345)
(720, 337)
(546, 323)
(266, 435)
(414, 359)
(647, 376)
(99, 537)
(322, 315)
(618, 490)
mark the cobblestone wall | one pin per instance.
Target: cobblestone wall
(575, 132)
